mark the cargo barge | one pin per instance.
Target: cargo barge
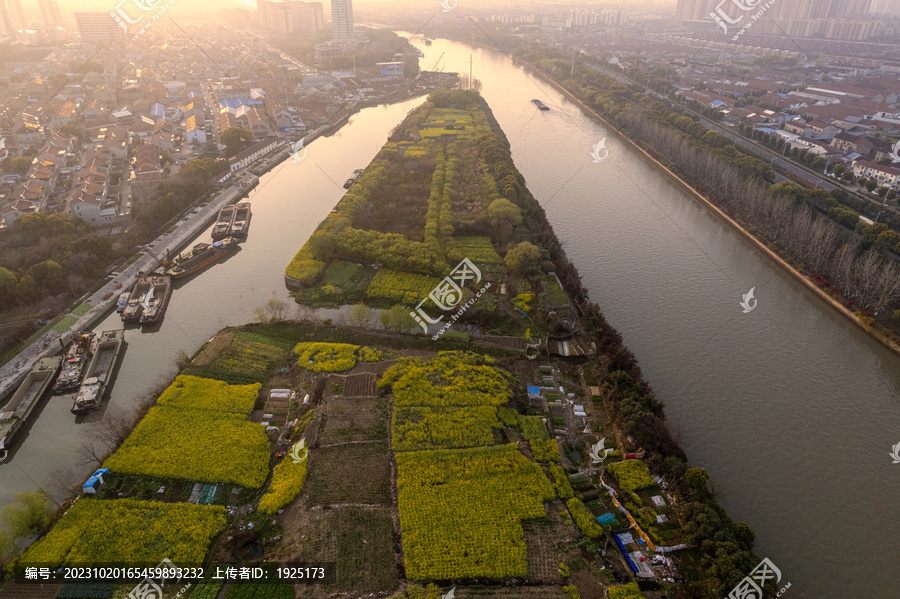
(356, 175)
(540, 105)
(14, 415)
(99, 373)
(199, 257)
(241, 223)
(74, 363)
(224, 222)
(135, 305)
(154, 305)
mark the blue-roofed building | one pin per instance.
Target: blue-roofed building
(157, 111)
(534, 392)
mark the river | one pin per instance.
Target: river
(791, 408)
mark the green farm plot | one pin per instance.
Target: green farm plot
(400, 287)
(243, 362)
(343, 283)
(339, 273)
(477, 249)
(556, 295)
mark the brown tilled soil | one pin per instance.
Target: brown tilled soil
(353, 420)
(353, 473)
(216, 346)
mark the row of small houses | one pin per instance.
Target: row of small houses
(866, 156)
(845, 138)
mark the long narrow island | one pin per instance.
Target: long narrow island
(492, 438)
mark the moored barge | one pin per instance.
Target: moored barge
(199, 257)
(74, 363)
(241, 223)
(224, 221)
(21, 405)
(154, 305)
(99, 372)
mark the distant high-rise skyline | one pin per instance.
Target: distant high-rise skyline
(17, 15)
(291, 16)
(97, 27)
(342, 20)
(699, 10)
(50, 13)
(6, 27)
(885, 6)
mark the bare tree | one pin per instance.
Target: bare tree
(306, 314)
(181, 360)
(272, 311)
(89, 453)
(114, 427)
(63, 481)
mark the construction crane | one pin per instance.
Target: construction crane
(437, 62)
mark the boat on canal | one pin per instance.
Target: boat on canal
(199, 257)
(108, 347)
(74, 363)
(15, 414)
(241, 223)
(356, 175)
(224, 221)
(540, 105)
(156, 300)
(135, 305)
(122, 301)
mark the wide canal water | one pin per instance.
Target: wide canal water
(791, 408)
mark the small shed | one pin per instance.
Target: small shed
(95, 481)
(534, 392)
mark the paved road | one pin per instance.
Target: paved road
(103, 299)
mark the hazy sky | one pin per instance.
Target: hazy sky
(68, 7)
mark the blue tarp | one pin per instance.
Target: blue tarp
(606, 518)
(95, 481)
(533, 392)
(627, 557)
